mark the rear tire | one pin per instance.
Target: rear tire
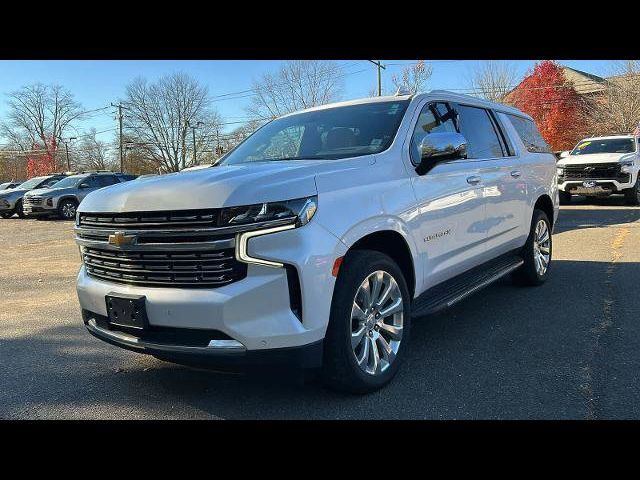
(365, 342)
(565, 198)
(67, 209)
(539, 247)
(632, 195)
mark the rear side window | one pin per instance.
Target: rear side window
(477, 127)
(106, 180)
(529, 134)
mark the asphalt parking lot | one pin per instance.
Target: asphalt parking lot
(567, 350)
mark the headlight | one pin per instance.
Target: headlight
(300, 211)
(560, 171)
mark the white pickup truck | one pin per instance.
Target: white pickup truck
(601, 166)
(319, 237)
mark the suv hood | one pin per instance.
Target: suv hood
(39, 191)
(14, 192)
(595, 158)
(216, 187)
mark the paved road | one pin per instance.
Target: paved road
(568, 349)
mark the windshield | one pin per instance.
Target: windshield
(612, 145)
(338, 132)
(32, 183)
(69, 181)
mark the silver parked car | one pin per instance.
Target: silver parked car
(64, 197)
(11, 200)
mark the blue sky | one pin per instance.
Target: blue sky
(96, 83)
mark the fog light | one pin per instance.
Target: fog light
(49, 202)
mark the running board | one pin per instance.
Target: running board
(458, 288)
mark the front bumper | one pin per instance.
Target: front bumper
(36, 210)
(255, 311)
(216, 353)
(610, 185)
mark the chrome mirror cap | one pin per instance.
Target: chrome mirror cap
(443, 146)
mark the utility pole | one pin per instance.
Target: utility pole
(66, 148)
(193, 131)
(120, 107)
(380, 66)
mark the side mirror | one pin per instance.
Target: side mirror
(84, 185)
(564, 154)
(439, 147)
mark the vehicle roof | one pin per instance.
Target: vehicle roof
(440, 94)
(609, 137)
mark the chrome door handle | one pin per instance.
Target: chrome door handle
(473, 180)
(516, 173)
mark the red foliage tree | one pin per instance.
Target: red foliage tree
(552, 102)
(42, 163)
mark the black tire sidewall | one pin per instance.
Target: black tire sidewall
(340, 366)
(529, 262)
(18, 209)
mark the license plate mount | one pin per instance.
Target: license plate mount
(126, 310)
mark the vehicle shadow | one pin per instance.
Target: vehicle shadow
(508, 352)
(615, 212)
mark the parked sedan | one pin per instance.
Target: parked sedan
(11, 200)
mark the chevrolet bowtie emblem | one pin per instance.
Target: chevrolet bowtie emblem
(119, 239)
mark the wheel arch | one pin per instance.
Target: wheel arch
(393, 244)
(545, 204)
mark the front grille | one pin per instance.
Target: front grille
(179, 220)
(594, 171)
(33, 200)
(178, 268)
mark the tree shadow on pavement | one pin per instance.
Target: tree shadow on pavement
(508, 352)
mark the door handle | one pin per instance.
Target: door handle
(516, 173)
(473, 180)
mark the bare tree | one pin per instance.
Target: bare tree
(493, 79)
(159, 115)
(297, 85)
(93, 154)
(39, 115)
(617, 110)
(414, 77)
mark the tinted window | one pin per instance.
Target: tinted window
(482, 138)
(529, 134)
(106, 180)
(612, 145)
(434, 118)
(338, 132)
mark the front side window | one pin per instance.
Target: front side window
(332, 133)
(434, 118)
(106, 180)
(477, 127)
(50, 182)
(611, 145)
(529, 134)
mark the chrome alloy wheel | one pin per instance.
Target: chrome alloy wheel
(542, 247)
(69, 210)
(376, 322)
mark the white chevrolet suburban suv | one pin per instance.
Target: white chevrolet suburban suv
(317, 239)
(599, 167)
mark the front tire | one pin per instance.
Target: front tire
(18, 210)
(632, 195)
(536, 253)
(67, 209)
(565, 197)
(369, 323)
